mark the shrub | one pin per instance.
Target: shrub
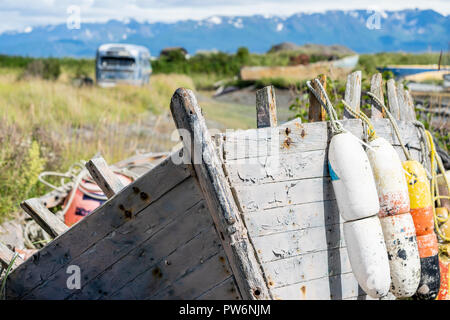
(48, 69)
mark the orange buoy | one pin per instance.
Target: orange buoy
(88, 197)
(423, 217)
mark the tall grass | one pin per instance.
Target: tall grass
(50, 125)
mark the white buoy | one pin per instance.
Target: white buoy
(352, 178)
(357, 200)
(367, 255)
(404, 261)
(396, 221)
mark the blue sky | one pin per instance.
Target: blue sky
(24, 14)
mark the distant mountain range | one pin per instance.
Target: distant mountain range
(406, 30)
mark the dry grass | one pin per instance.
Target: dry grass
(50, 125)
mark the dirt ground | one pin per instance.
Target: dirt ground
(247, 97)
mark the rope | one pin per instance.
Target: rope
(434, 158)
(393, 123)
(424, 147)
(360, 115)
(336, 126)
(77, 177)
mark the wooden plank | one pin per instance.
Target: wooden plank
(187, 116)
(105, 178)
(209, 274)
(53, 198)
(227, 290)
(146, 256)
(394, 107)
(293, 243)
(266, 107)
(130, 202)
(353, 92)
(292, 218)
(246, 145)
(411, 107)
(306, 267)
(113, 251)
(6, 256)
(316, 112)
(280, 194)
(293, 138)
(44, 217)
(407, 130)
(343, 286)
(266, 169)
(405, 114)
(376, 87)
(167, 270)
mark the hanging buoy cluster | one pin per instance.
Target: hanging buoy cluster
(421, 209)
(396, 221)
(388, 211)
(358, 205)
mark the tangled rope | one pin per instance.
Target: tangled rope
(77, 177)
(436, 197)
(360, 115)
(336, 126)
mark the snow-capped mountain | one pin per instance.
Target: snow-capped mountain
(363, 31)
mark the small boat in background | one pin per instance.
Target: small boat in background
(417, 72)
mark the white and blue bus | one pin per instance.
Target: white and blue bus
(122, 63)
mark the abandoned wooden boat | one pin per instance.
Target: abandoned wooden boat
(248, 214)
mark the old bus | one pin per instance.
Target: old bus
(122, 63)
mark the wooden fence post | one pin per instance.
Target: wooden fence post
(403, 105)
(353, 93)
(394, 107)
(316, 111)
(410, 105)
(266, 107)
(220, 201)
(376, 87)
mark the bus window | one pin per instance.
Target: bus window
(117, 62)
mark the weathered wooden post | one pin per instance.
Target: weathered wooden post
(353, 93)
(376, 87)
(316, 112)
(266, 107)
(44, 217)
(104, 176)
(219, 198)
(394, 107)
(6, 256)
(410, 106)
(403, 103)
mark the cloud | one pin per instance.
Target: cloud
(20, 14)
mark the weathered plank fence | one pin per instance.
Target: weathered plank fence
(248, 214)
